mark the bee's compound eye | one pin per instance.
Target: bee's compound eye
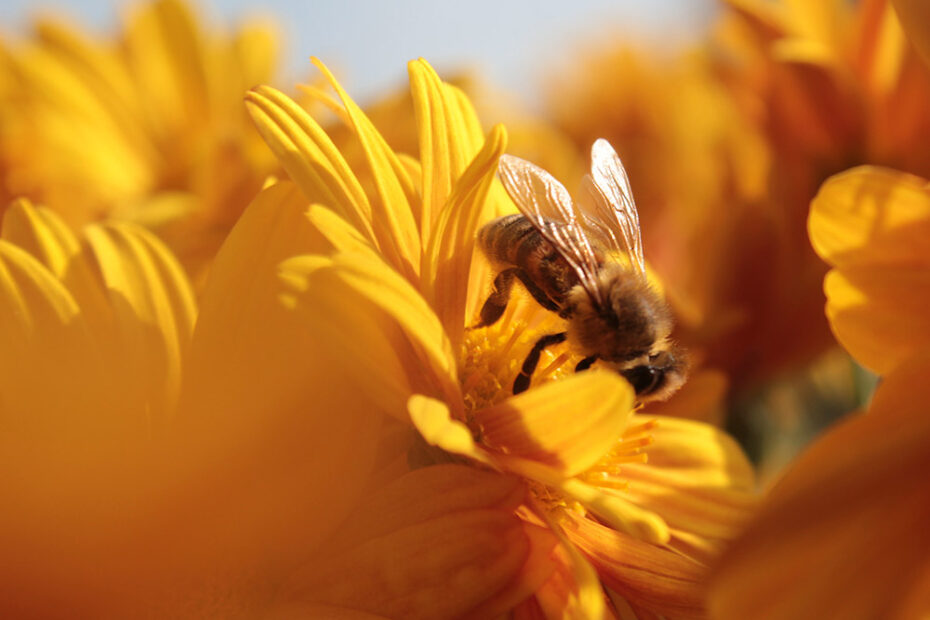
(644, 379)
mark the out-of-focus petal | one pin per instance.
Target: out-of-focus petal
(845, 527)
(879, 314)
(568, 425)
(306, 437)
(449, 542)
(42, 233)
(50, 370)
(872, 224)
(871, 215)
(915, 19)
(153, 307)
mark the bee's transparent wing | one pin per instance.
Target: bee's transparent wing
(548, 205)
(612, 218)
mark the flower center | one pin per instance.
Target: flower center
(492, 357)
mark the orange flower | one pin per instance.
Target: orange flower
(843, 533)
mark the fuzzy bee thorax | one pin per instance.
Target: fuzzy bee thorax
(632, 319)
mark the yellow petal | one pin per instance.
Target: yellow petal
(841, 534)
(574, 590)
(871, 215)
(650, 576)
(434, 422)
(166, 52)
(441, 559)
(697, 480)
(449, 136)
(360, 302)
(343, 236)
(310, 157)
(261, 393)
(393, 214)
(879, 314)
(609, 506)
(42, 233)
(52, 378)
(153, 309)
(567, 425)
(446, 270)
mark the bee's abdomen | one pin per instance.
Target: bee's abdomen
(509, 239)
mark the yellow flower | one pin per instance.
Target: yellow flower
(842, 534)
(147, 127)
(390, 303)
(154, 468)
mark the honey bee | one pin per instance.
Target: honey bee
(569, 258)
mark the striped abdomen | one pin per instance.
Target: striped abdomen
(513, 242)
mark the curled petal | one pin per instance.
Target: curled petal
(434, 422)
(392, 212)
(567, 425)
(153, 307)
(871, 215)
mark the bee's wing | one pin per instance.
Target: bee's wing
(612, 218)
(548, 205)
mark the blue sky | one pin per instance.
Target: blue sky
(513, 43)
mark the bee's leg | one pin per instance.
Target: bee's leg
(585, 363)
(522, 382)
(496, 303)
(536, 292)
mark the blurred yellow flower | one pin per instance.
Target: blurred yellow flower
(147, 127)
(843, 534)
(390, 302)
(872, 225)
(727, 144)
(154, 468)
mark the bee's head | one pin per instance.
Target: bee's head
(658, 375)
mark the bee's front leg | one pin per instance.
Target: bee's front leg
(522, 382)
